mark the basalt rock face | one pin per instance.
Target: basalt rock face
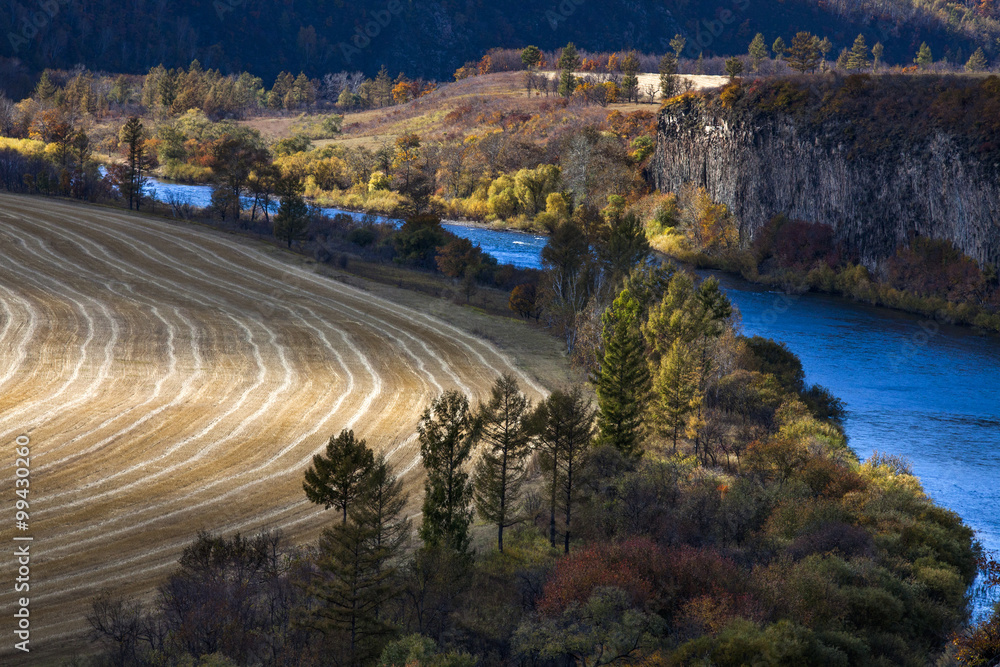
(763, 163)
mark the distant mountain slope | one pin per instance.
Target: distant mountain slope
(431, 39)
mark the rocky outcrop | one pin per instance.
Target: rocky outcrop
(761, 164)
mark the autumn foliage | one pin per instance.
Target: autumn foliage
(635, 566)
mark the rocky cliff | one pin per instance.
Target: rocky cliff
(875, 166)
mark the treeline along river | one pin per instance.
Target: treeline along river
(927, 391)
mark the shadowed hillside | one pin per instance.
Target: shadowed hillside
(431, 39)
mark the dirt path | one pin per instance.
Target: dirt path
(172, 378)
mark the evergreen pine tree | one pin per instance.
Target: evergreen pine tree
(623, 382)
(292, 219)
(569, 58)
(676, 388)
(677, 44)
(779, 48)
(383, 87)
(857, 58)
(824, 47)
(446, 437)
(168, 86)
(567, 83)
(757, 52)
(976, 62)
(133, 138)
(337, 477)
(45, 90)
(877, 52)
(499, 473)
(569, 61)
(563, 426)
(531, 56)
(803, 54)
(630, 80)
(668, 76)
(357, 568)
(924, 57)
(626, 246)
(734, 68)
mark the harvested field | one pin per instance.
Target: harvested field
(172, 378)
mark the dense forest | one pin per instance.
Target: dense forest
(432, 39)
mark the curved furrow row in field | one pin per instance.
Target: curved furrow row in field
(38, 411)
(170, 344)
(174, 379)
(334, 351)
(200, 453)
(20, 324)
(366, 299)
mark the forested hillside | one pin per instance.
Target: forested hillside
(431, 39)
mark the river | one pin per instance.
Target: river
(928, 392)
(521, 250)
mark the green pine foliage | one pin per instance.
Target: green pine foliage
(676, 390)
(338, 476)
(757, 52)
(292, 219)
(623, 382)
(857, 57)
(563, 427)
(446, 436)
(924, 57)
(977, 61)
(357, 565)
(499, 474)
(668, 75)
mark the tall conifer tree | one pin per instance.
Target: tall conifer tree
(499, 474)
(623, 382)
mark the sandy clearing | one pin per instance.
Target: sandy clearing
(174, 378)
(698, 81)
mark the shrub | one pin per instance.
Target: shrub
(631, 566)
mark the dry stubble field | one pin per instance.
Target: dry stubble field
(172, 378)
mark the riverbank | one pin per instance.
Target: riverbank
(523, 249)
(852, 281)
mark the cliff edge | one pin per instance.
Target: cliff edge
(878, 158)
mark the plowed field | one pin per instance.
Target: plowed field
(172, 378)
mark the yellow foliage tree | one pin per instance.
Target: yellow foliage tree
(707, 225)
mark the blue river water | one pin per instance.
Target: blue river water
(912, 387)
(521, 250)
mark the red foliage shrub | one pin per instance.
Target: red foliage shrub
(666, 577)
(798, 244)
(694, 572)
(932, 267)
(634, 566)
